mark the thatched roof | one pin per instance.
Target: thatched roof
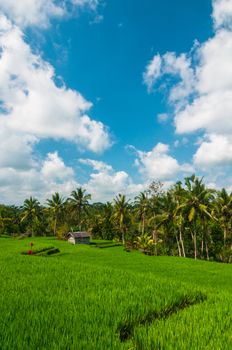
(79, 234)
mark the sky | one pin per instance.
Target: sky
(111, 95)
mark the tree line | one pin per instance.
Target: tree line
(187, 220)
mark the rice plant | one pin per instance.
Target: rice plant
(88, 298)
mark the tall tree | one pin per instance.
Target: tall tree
(167, 219)
(223, 210)
(56, 209)
(78, 204)
(196, 206)
(178, 193)
(121, 212)
(141, 209)
(31, 213)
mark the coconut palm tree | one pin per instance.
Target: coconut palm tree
(78, 203)
(121, 213)
(31, 213)
(223, 210)
(166, 219)
(141, 208)
(178, 193)
(56, 209)
(196, 206)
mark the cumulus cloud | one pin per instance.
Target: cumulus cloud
(43, 179)
(215, 150)
(157, 163)
(173, 65)
(33, 104)
(26, 13)
(105, 183)
(201, 89)
(222, 13)
(33, 107)
(16, 149)
(212, 107)
(54, 168)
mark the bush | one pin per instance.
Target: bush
(225, 255)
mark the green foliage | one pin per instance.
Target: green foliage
(56, 209)
(187, 220)
(78, 206)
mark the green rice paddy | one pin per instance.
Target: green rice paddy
(102, 299)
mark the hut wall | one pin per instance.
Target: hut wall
(71, 240)
(82, 240)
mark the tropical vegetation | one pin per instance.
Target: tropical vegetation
(187, 220)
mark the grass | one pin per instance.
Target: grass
(85, 298)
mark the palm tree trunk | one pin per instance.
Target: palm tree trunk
(143, 224)
(195, 245)
(123, 237)
(194, 239)
(182, 243)
(224, 235)
(202, 248)
(55, 224)
(178, 245)
(79, 219)
(121, 226)
(154, 237)
(207, 249)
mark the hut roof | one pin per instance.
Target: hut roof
(79, 234)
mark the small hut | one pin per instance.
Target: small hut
(80, 237)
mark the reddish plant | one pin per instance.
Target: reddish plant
(31, 244)
(29, 252)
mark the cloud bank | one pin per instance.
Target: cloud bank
(201, 92)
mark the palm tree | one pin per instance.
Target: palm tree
(78, 203)
(167, 219)
(223, 209)
(141, 208)
(121, 213)
(56, 208)
(154, 211)
(31, 212)
(178, 193)
(196, 206)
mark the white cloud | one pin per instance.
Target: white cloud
(202, 96)
(33, 104)
(43, 179)
(16, 150)
(216, 150)
(157, 163)
(222, 13)
(54, 168)
(105, 183)
(97, 165)
(32, 12)
(152, 72)
(33, 107)
(26, 13)
(177, 66)
(212, 107)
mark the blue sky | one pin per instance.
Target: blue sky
(110, 95)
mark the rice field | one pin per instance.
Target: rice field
(101, 299)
